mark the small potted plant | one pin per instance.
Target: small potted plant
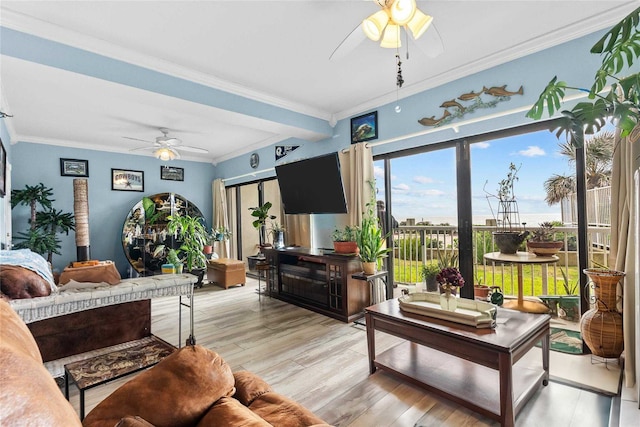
(450, 280)
(344, 240)
(207, 248)
(543, 242)
(428, 272)
(221, 234)
(172, 258)
(508, 236)
(277, 232)
(480, 291)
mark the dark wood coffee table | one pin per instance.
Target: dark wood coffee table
(472, 367)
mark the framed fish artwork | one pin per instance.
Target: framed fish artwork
(364, 128)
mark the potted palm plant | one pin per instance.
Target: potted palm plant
(44, 225)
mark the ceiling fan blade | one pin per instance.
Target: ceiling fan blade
(142, 148)
(138, 139)
(192, 149)
(349, 43)
(430, 43)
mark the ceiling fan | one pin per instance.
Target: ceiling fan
(166, 147)
(386, 26)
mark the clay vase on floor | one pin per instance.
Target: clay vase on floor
(601, 326)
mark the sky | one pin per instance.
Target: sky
(424, 185)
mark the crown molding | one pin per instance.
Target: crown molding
(21, 22)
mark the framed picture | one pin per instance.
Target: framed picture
(126, 180)
(3, 170)
(74, 167)
(171, 173)
(364, 128)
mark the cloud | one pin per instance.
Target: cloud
(532, 151)
(481, 145)
(430, 193)
(423, 179)
(378, 172)
(403, 188)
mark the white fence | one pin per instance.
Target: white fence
(598, 208)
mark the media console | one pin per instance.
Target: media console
(318, 280)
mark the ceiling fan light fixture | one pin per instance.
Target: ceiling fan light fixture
(391, 38)
(166, 154)
(402, 11)
(419, 23)
(375, 24)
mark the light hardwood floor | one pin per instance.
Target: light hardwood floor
(322, 363)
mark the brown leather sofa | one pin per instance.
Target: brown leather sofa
(192, 387)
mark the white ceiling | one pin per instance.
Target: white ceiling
(276, 52)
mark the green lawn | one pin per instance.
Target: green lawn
(503, 276)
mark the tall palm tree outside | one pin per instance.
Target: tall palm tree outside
(599, 159)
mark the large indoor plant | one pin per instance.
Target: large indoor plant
(612, 97)
(44, 225)
(192, 235)
(508, 235)
(371, 242)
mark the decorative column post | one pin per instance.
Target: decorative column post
(81, 212)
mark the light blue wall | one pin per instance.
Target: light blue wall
(35, 163)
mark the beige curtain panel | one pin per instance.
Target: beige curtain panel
(220, 217)
(624, 253)
(357, 170)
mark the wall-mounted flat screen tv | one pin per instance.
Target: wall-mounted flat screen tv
(312, 186)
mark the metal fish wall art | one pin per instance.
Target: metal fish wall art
(497, 94)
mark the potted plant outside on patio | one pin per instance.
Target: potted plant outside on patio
(508, 236)
(543, 242)
(428, 272)
(344, 240)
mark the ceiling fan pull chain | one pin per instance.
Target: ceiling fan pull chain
(406, 41)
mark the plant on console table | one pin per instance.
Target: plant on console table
(543, 242)
(371, 242)
(344, 240)
(450, 280)
(261, 213)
